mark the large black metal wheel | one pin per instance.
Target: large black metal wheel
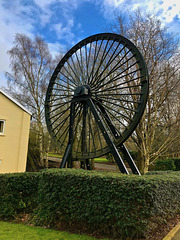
(110, 70)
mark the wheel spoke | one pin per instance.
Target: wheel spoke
(78, 79)
(115, 118)
(72, 81)
(94, 61)
(129, 109)
(100, 63)
(89, 55)
(109, 122)
(119, 99)
(99, 136)
(93, 142)
(112, 58)
(68, 84)
(60, 98)
(113, 70)
(122, 83)
(105, 106)
(60, 114)
(56, 108)
(61, 104)
(65, 130)
(119, 94)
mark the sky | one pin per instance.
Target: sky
(63, 23)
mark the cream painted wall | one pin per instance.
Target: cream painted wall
(14, 141)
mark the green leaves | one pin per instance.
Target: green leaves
(18, 193)
(164, 165)
(112, 203)
(115, 204)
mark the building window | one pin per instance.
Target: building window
(2, 126)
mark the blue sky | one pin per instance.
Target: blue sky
(62, 23)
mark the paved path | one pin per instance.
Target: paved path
(54, 159)
(104, 166)
(100, 166)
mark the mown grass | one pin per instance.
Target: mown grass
(100, 160)
(13, 231)
(57, 155)
(96, 160)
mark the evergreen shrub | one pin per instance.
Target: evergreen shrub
(165, 164)
(112, 204)
(18, 193)
(177, 163)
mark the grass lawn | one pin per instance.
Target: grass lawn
(13, 231)
(100, 160)
(97, 160)
(55, 155)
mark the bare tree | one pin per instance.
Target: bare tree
(31, 64)
(160, 51)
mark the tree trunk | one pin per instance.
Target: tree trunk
(92, 164)
(47, 151)
(40, 142)
(141, 162)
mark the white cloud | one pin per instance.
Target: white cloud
(115, 3)
(17, 17)
(165, 9)
(63, 9)
(56, 48)
(13, 18)
(45, 17)
(44, 3)
(64, 31)
(71, 3)
(170, 13)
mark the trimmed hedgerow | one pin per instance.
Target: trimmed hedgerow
(110, 203)
(18, 193)
(177, 163)
(163, 165)
(114, 204)
(168, 172)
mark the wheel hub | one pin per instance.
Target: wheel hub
(83, 90)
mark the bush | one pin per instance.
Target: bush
(163, 165)
(115, 204)
(177, 163)
(112, 204)
(18, 193)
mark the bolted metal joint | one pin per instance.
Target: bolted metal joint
(81, 91)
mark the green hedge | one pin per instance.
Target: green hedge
(177, 163)
(163, 165)
(167, 164)
(18, 193)
(113, 204)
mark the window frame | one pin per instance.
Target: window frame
(2, 121)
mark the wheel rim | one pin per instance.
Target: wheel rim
(116, 74)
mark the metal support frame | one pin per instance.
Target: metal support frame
(109, 141)
(85, 163)
(129, 159)
(122, 148)
(67, 155)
